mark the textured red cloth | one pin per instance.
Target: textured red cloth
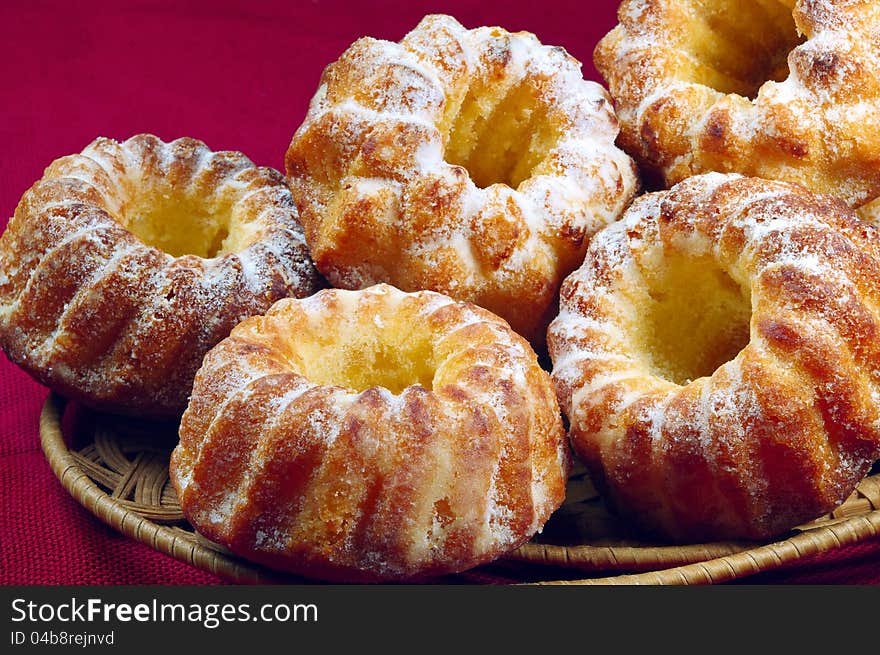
(237, 75)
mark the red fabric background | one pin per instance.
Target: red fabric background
(237, 75)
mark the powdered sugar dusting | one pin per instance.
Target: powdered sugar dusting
(718, 431)
(579, 184)
(687, 108)
(180, 306)
(388, 484)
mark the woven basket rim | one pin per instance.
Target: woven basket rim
(672, 565)
(592, 557)
(115, 514)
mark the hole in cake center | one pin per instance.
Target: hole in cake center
(693, 317)
(179, 224)
(500, 134)
(738, 45)
(381, 353)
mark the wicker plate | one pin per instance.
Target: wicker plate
(118, 470)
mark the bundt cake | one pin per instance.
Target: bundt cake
(371, 435)
(476, 163)
(718, 358)
(773, 88)
(125, 263)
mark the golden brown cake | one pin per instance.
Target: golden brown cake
(371, 435)
(125, 263)
(718, 357)
(773, 88)
(476, 163)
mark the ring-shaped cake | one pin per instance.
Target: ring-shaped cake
(371, 435)
(126, 262)
(718, 358)
(771, 88)
(476, 163)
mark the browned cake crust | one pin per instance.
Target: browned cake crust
(92, 301)
(371, 435)
(718, 357)
(477, 163)
(773, 88)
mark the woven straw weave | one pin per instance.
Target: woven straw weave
(118, 470)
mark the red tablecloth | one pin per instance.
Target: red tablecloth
(239, 76)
